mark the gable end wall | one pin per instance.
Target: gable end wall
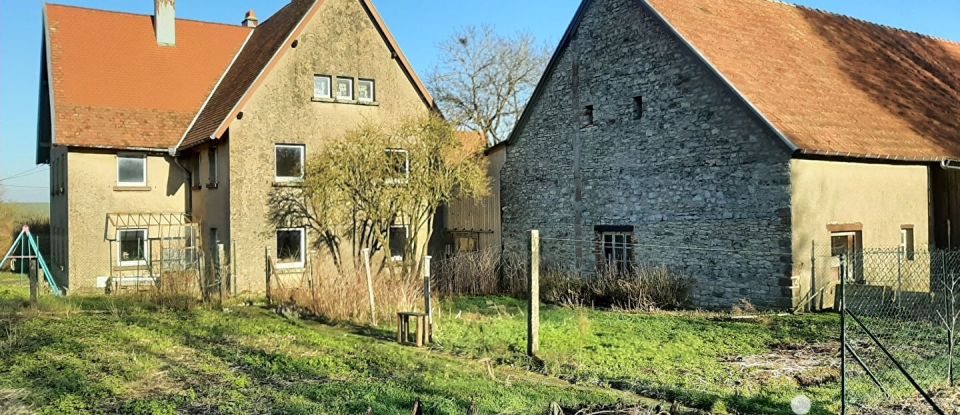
(697, 170)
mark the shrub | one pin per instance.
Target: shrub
(635, 288)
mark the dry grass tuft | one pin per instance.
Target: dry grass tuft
(334, 296)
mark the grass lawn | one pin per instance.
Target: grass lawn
(109, 355)
(703, 360)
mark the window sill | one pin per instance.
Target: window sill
(213, 185)
(292, 184)
(197, 187)
(290, 268)
(129, 266)
(132, 188)
(346, 102)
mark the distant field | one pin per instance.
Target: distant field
(30, 211)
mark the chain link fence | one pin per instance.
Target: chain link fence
(900, 317)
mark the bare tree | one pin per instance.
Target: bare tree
(484, 80)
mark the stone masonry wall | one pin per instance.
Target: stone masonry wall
(704, 184)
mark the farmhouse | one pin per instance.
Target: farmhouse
(742, 142)
(165, 136)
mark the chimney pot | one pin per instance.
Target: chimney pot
(250, 20)
(165, 22)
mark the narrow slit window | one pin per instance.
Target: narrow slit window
(907, 243)
(587, 116)
(637, 107)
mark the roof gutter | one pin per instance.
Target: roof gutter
(948, 164)
(756, 111)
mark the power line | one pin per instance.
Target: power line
(25, 173)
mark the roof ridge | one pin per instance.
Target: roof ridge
(862, 20)
(70, 6)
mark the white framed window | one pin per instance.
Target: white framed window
(133, 247)
(397, 238)
(291, 248)
(131, 170)
(399, 162)
(615, 244)
(907, 243)
(322, 86)
(290, 160)
(345, 89)
(366, 90)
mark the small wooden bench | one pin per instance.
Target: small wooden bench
(403, 328)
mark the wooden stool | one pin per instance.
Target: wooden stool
(403, 328)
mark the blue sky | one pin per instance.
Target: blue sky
(418, 25)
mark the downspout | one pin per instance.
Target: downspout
(186, 182)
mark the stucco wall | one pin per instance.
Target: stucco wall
(880, 198)
(211, 199)
(340, 41)
(93, 193)
(697, 172)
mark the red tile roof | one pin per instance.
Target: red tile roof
(114, 87)
(831, 84)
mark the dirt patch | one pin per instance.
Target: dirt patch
(810, 364)
(11, 402)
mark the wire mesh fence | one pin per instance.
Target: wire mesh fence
(900, 319)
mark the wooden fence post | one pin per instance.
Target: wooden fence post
(34, 284)
(269, 273)
(427, 306)
(366, 266)
(533, 313)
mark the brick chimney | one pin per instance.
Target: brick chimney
(250, 20)
(164, 21)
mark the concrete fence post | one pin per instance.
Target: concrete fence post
(427, 306)
(365, 252)
(533, 313)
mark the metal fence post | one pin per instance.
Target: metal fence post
(533, 314)
(269, 273)
(843, 335)
(899, 275)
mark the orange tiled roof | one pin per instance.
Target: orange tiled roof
(114, 87)
(832, 84)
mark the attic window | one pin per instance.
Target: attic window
(321, 86)
(345, 89)
(637, 107)
(131, 171)
(366, 91)
(586, 117)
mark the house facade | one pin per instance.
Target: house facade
(669, 132)
(221, 115)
